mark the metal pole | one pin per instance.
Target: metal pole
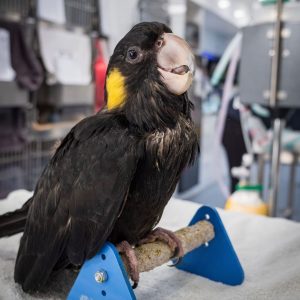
(276, 56)
(261, 171)
(288, 213)
(275, 164)
(278, 123)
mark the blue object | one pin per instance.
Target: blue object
(104, 276)
(115, 284)
(217, 259)
(210, 56)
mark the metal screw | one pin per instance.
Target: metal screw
(271, 52)
(282, 95)
(286, 33)
(207, 216)
(286, 53)
(101, 276)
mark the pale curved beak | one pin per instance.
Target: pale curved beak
(176, 63)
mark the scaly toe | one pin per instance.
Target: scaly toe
(132, 263)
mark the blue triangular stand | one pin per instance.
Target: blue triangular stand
(217, 259)
(115, 286)
(104, 276)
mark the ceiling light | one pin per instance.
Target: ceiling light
(223, 4)
(239, 14)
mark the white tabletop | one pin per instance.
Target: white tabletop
(268, 249)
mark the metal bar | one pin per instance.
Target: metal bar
(288, 213)
(278, 124)
(276, 57)
(275, 165)
(261, 170)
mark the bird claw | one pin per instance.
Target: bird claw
(177, 262)
(160, 234)
(168, 237)
(125, 248)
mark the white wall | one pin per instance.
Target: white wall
(216, 33)
(195, 15)
(214, 42)
(117, 18)
(177, 13)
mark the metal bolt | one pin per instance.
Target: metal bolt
(271, 52)
(286, 33)
(207, 216)
(101, 276)
(286, 53)
(282, 95)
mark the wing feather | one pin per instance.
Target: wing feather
(78, 199)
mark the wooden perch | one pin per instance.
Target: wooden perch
(155, 254)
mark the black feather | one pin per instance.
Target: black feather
(113, 174)
(14, 222)
(77, 199)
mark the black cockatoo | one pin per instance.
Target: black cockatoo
(115, 171)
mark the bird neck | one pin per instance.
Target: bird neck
(151, 107)
(145, 102)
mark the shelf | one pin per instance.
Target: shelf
(52, 131)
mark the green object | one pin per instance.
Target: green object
(268, 2)
(225, 59)
(260, 110)
(257, 187)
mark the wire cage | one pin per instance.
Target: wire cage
(25, 149)
(16, 9)
(12, 171)
(23, 152)
(20, 169)
(82, 13)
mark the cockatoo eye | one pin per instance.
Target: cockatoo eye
(134, 55)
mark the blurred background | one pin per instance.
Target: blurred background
(53, 61)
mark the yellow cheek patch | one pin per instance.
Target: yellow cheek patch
(115, 88)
